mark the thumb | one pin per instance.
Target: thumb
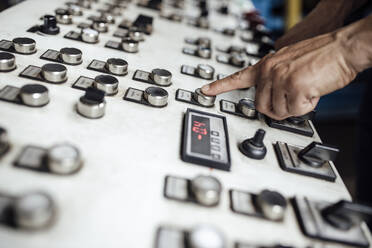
(241, 79)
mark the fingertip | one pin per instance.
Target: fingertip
(205, 89)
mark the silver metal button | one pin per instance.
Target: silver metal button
(202, 99)
(129, 45)
(204, 236)
(272, 204)
(205, 71)
(75, 10)
(34, 210)
(24, 45)
(63, 16)
(108, 17)
(206, 189)
(202, 22)
(64, 159)
(135, 34)
(91, 107)
(237, 59)
(161, 77)
(204, 52)
(89, 35)
(156, 96)
(204, 42)
(247, 107)
(100, 25)
(106, 83)
(71, 55)
(54, 73)
(7, 62)
(34, 95)
(117, 66)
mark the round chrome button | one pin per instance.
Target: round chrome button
(161, 77)
(204, 100)
(7, 62)
(156, 96)
(91, 108)
(75, 10)
(54, 73)
(34, 210)
(117, 66)
(237, 59)
(106, 83)
(129, 45)
(24, 45)
(204, 236)
(100, 25)
(63, 16)
(34, 95)
(108, 17)
(64, 159)
(89, 35)
(205, 71)
(272, 204)
(247, 107)
(204, 42)
(71, 55)
(135, 34)
(207, 190)
(204, 52)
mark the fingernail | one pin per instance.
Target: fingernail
(205, 88)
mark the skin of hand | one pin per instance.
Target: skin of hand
(291, 81)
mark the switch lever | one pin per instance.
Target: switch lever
(344, 214)
(302, 118)
(316, 154)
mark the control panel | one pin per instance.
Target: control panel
(106, 139)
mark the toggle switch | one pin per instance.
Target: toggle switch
(50, 25)
(71, 55)
(161, 77)
(156, 96)
(64, 159)
(100, 25)
(272, 205)
(254, 147)
(92, 105)
(205, 71)
(129, 45)
(89, 35)
(117, 66)
(204, 236)
(24, 45)
(317, 154)
(63, 16)
(206, 190)
(204, 100)
(106, 83)
(54, 73)
(247, 107)
(34, 210)
(34, 95)
(7, 62)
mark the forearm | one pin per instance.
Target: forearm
(356, 41)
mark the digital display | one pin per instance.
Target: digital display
(200, 135)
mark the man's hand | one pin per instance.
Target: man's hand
(291, 81)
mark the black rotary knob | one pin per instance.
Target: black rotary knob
(50, 25)
(254, 147)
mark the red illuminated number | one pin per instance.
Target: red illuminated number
(198, 127)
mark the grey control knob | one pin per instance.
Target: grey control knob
(207, 190)
(54, 73)
(161, 77)
(136, 34)
(205, 71)
(106, 83)
(34, 95)
(156, 96)
(71, 55)
(89, 35)
(204, 52)
(7, 62)
(129, 45)
(117, 66)
(247, 107)
(272, 204)
(34, 210)
(204, 236)
(100, 25)
(24, 45)
(92, 105)
(63, 16)
(64, 159)
(204, 100)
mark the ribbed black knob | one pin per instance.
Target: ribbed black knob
(50, 25)
(254, 147)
